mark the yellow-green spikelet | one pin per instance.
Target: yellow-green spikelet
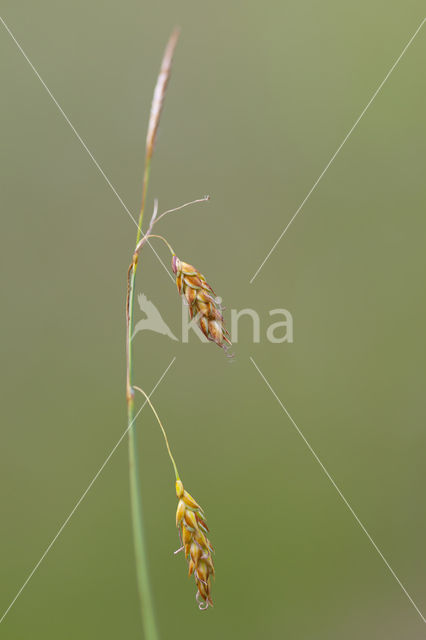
(201, 301)
(198, 550)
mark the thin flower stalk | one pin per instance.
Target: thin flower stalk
(193, 530)
(132, 268)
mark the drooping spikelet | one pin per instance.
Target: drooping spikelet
(202, 301)
(197, 547)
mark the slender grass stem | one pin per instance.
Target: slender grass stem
(142, 568)
(144, 586)
(142, 573)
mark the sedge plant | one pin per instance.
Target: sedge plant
(206, 308)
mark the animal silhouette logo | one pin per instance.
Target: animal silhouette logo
(153, 320)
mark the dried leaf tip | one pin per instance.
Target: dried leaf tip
(202, 301)
(160, 92)
(198, 550)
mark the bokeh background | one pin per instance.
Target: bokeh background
(261, 96)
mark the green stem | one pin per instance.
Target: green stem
(142, 572)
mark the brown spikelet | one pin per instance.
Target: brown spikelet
(202, 302)
(159, 93)
(197, 547)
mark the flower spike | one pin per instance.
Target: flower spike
(202, 301)
(197, 547)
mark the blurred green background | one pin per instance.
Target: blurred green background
(261, 96)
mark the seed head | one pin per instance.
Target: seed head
(202, 302)
(198, 550)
